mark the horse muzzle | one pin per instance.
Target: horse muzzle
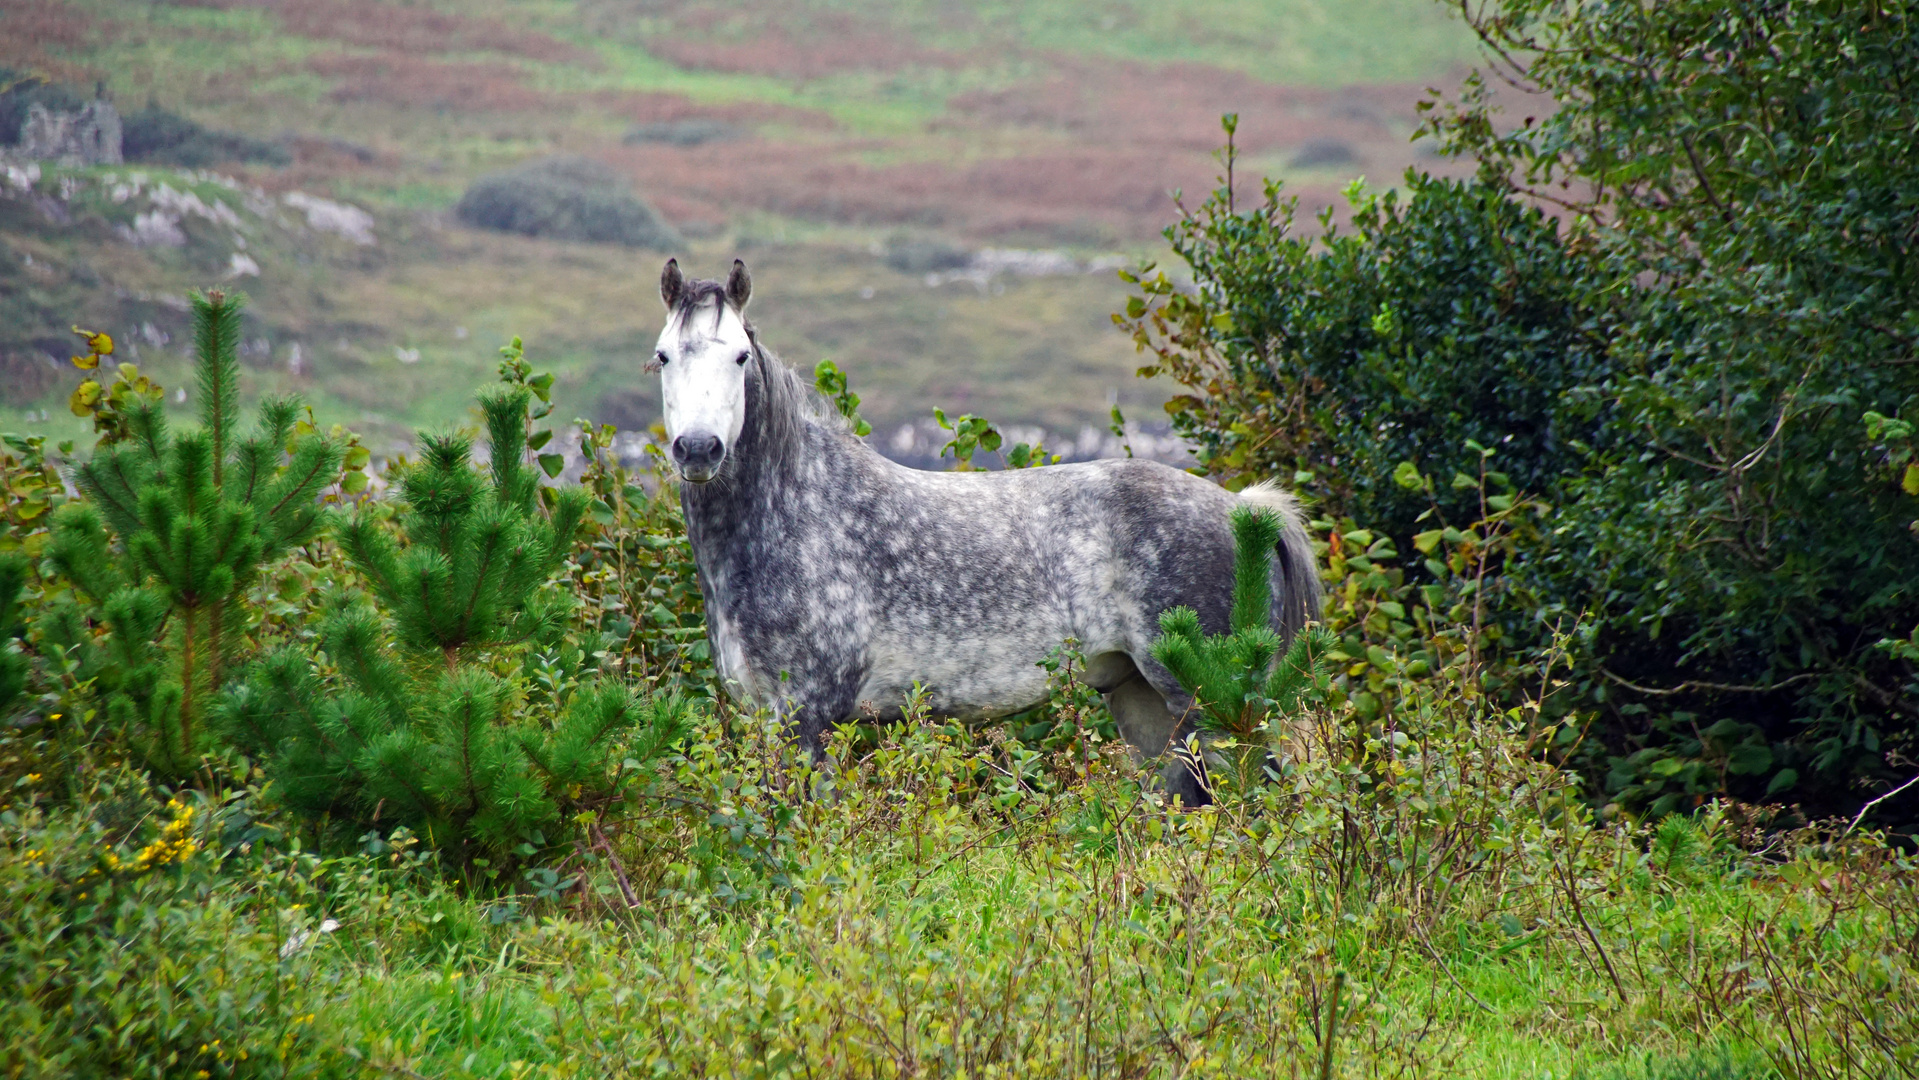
(699, 456)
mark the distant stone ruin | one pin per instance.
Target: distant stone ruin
(90, 136)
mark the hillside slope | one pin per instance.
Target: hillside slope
(814, 138)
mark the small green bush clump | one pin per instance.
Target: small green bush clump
(694, 132)
(164, 137)
(1246, 682)
(13, 662)
(565, 198)
(920, 253)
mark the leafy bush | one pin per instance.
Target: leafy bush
(1453, 314)
(13, 662)
(164, 137)
(131, 946)
(1732, 553)
(565, 198)
(1679, 371)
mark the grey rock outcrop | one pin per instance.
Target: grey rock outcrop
(90, 136)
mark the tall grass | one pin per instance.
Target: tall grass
(939, 908)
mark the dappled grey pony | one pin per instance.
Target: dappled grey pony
(835, 579)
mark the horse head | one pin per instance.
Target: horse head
(702, 359)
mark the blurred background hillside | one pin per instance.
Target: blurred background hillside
(934, 196)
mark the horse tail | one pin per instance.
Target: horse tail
(1296, 577)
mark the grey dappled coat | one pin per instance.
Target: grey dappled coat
(835, 579)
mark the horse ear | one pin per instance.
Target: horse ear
(739, 286)
(671, 283)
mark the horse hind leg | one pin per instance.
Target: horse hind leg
(1150, 725)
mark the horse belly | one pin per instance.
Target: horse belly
(972, 679)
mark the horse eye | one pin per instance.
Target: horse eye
(743, 358)
(659, 357)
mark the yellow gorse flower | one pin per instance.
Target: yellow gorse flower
(175, 844)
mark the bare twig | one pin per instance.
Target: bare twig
(1692, 684)
(1861, 816)
(619, 869)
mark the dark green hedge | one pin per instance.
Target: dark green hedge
(1678, 359)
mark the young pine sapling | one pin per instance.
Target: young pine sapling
(1240, 691)
(195, 514)
(405, 715)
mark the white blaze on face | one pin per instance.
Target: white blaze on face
(703, 357)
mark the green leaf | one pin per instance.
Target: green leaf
(1406, 475)
(1427, 541)
(1782, 780)
(1749, 759)
(540, 438)
(552, 464)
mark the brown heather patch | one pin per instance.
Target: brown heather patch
(1177, 107)
(409, 29)
(1081, 195)
(648, 107)
(780, 53)
(1107, 145)
(29, 28)
(783, 39)
(394, 78)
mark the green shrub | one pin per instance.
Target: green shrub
(136, 950)
(172, 533)
(1679, 369)
(917, 253)
(1245, 686)
(404, 711)
(565, 198)
(164, 137)
(13, 662)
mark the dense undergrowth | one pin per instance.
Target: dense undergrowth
(1415, 889)
(961, 907)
